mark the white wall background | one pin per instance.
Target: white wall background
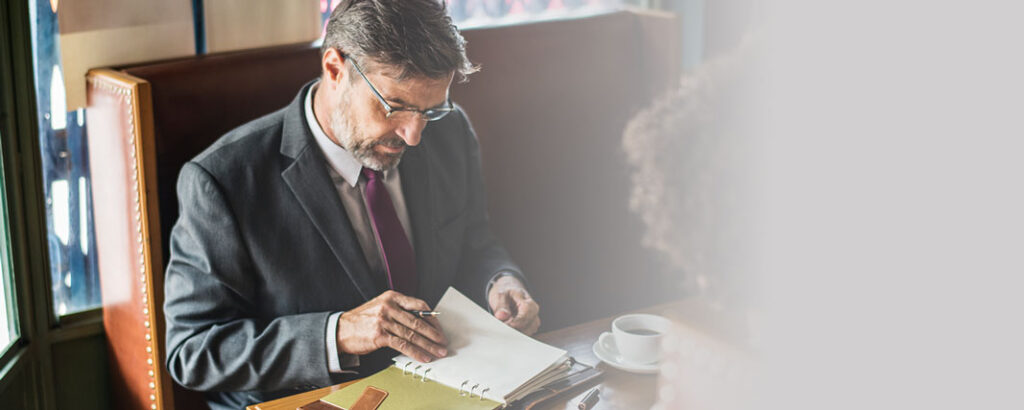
(892, 205)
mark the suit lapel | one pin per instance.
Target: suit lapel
(308, 180)
(416, 189)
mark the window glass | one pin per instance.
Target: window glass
(65, 163)
(8, 310)
(468, 13)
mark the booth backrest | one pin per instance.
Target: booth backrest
(549, 106)
(197, 100)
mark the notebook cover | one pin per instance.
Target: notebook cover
(409, 392)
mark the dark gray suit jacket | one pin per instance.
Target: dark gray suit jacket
(263, 252)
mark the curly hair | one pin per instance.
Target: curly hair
(687, 153)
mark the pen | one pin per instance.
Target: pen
(590, 399)
(425, 313)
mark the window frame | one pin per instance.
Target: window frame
(8, 288)
(29, 359)
(13, 121)
(12, 126)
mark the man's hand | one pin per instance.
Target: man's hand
(385, 322)
(511, 303)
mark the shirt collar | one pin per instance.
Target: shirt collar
(340, 160)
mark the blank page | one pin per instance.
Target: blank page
(483, 350)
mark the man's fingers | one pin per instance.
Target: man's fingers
(527, 312)
(419, 325)
(519, 295)
(532, 327)
(526, 306)
(503, 308)
(409, 302)
(416, 340)
(495, 299)
(526, 309)
(527, 326)
(436, 349)
(436, 324)
(408, 348)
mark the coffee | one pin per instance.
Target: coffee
(638, 336)
(643, 332)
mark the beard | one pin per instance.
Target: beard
(353, 139)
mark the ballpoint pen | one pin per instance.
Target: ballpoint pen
(425, 313)
(590, 399)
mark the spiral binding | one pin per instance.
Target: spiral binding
(463, 391)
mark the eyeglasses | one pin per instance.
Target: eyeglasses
(429, 114)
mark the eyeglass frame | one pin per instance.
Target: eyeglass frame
(425, 114)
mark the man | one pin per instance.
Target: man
(307, 236)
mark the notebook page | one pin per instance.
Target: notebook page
(484, 351)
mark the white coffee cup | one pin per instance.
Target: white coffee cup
(638, 337)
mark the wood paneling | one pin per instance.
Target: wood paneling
(19, 390)
(244, 24)
(74, 359)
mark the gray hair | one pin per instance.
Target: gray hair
(415, 36)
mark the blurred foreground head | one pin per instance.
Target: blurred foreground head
(689, 153)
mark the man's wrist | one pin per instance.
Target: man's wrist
(508, 282)
(338, 361)
(498, 276)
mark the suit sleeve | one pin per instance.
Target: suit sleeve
(214, 341)
(483, 254)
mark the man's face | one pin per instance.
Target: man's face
(358, 122)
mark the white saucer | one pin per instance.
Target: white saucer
(604, 349)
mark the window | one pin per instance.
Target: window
(484, 12)
(8, 308)
(74, 280)
(469, 13)
(38, 349)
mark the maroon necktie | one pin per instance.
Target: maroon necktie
(399, 259)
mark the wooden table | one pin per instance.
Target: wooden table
(619, 389)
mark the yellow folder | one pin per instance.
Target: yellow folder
(410, 392)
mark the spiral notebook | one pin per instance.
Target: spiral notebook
(488, 365)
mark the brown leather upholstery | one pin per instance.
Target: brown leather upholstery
(124, 208)
(549, 106)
